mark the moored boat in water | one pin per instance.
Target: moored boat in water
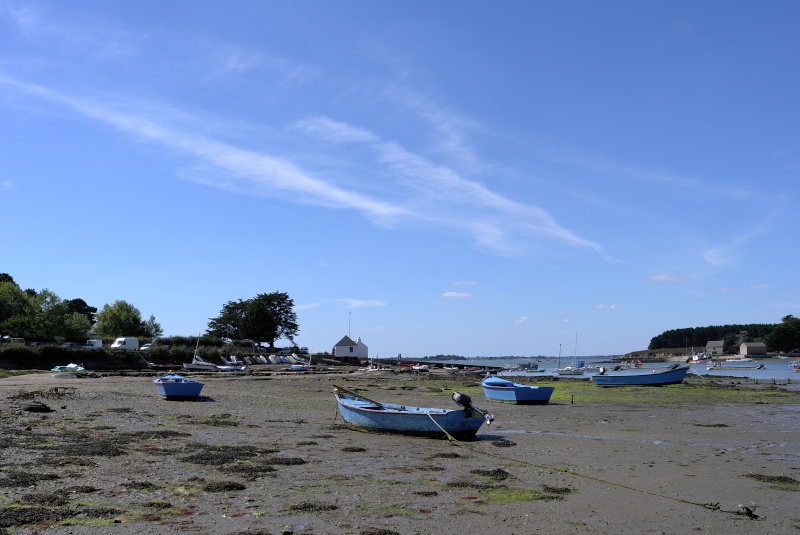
(669, 376)
(741, 363)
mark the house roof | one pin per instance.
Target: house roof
(714, 343)
(345, 341)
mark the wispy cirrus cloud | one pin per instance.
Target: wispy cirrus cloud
(456, 295)
(5, 184)
(465, 283)
(418, 191)
(444, 196)
(350, 302)
(344, 302)
(606, 307)
(521, 319)
(248, 171)
(32, 21)
(665, 277)
(226, 59)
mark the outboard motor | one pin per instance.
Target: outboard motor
(465, 401)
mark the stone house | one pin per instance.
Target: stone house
(753, 349)
(714, 348)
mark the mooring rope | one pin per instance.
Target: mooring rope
(708, 505)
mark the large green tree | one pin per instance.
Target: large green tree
(152, 328)
(17, 310)
(786, 336)
(227, 324)
(80, 306)
(119, 319)
(269, 317)
(264, 318)
(51, 316)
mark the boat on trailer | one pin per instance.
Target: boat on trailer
(364, 413)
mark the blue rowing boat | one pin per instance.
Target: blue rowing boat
(176, 387)
(670, 376)
(361, 412)
(498, 389)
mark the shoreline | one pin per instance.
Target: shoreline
(266, 454)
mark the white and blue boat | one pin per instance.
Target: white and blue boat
(670, 376)
(364, 413)
(176, 387)
(498, 389)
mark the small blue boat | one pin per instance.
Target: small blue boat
(670, 376)
(176, 387)
(365, 413)
(498, 389)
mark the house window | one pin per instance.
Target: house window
(351, 349)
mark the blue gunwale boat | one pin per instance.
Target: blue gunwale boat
(364, 413)
(498, 389)
(670, 376)
(176, 387)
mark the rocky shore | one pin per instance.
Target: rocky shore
(268, 454)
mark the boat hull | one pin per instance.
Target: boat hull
(175, 387)
(415, 421)
(508, 392)
(70, 368)
(656, 378)
(735, 364)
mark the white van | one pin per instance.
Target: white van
(126, 343)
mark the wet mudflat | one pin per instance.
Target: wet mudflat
(270, 455)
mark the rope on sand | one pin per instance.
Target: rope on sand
(713, 506)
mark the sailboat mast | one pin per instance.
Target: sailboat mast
(576, 347)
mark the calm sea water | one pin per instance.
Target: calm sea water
(774, 369)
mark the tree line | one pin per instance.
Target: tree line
(43, 316)
(782, 337)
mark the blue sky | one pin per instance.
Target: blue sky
(449, 177)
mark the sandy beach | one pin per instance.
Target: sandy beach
(267, 453)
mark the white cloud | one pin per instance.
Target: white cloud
(456, 295)
(96, 42)
(521, 319)
(334, 131)
(606, 307)
(360, 303)
(723, 290)
(428, 193)
(465, 283)
(5, 184)
(664, 277)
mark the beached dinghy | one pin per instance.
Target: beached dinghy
(498, 389)
(363, 412)
(70, 368)
(175, 387)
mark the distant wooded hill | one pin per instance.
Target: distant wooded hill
(731, 335)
